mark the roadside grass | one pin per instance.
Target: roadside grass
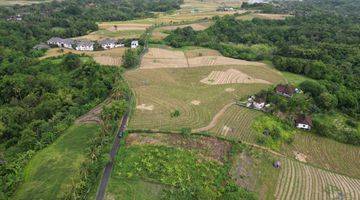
(326, 153)
(165, 90)
(50, 173)
(236, 124)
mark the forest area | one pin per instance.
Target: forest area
(40, 99)
(321, 41)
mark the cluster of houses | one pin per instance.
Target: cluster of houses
(86, 45)
(301, 122)
(17, 17)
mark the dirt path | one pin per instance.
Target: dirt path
(215, 120)
(93, 116)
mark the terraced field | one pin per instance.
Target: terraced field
(236, 124)
(167, 90)
(327, 153)
(301, 181)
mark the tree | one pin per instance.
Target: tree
(71, 61)
(327, 101)
(130, 58)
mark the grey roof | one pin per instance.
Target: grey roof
(68, 41)
(41, 46)
(107, 41)
(55, 40)
(84, 43)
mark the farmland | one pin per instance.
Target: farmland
(236, 124)
(300, 181)
(165, 90)
(21, 2)
(60, 161)
(111, 57)
(326, 153)
(186, 163)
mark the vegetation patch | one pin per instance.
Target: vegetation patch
(183, 174)
(61, 161)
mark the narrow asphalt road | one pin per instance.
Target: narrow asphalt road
(109, 166)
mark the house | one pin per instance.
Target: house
(277, 164)
(67, 43)
(285, 90)
(84, 45)
(256, 103)
(56, 41)
(134, 44)
(303, 122)
(108, 43)
(41, 46)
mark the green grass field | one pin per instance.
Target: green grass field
(162, 91)
(51, 171)
(295, 79)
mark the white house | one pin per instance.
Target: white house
(56, 41)
(134, 44)
(84, 45)
(108, 43)
(303, 122)
(256, 103)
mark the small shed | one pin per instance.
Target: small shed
(303, 122)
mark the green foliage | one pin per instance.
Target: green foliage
(131, 58)
(185, 131)
(186, 175)
(71, 61)
(278, 131)
(175, 113)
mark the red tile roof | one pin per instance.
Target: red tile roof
(285, 89)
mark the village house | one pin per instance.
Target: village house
(110, 43)
(286, 90)
(56, 41)
(41, 46)
(134, 44)
(255, 103)
(303, 122)
(84, 45)
(14, 18)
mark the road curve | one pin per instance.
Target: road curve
(109, 166)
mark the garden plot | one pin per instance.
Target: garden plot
(301, 181)
(230, 76)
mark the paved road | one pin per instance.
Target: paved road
(109, 166)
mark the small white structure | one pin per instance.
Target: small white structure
(84, 45)
(303, 122)
(256, 103)
(134, 44)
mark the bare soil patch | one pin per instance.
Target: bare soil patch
(145, 107)
(230, 76)
(300, 156)
(93, 116)
(229, 89)
(195, 102)
(196, 26)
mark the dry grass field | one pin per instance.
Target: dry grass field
(301, 181)
(111, 57)
(21, 2)
(326, 153)
(168, 89)
(159, 33)
(253, 15)
(170, 58)
(236, 124)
